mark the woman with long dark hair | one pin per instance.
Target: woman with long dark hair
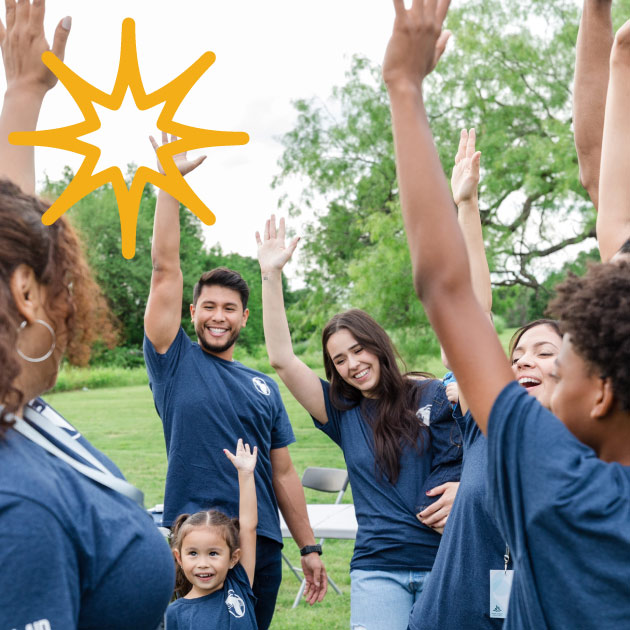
(394, 432)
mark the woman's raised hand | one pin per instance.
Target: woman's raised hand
(23, 41)
(184, 165)
(465, 177)
(272, 252)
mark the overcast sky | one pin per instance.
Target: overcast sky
(268, 54)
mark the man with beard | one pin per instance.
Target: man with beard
(207, 401)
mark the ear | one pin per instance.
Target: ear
(192, 311)
(235, 559)
(178, 556)
(27, 292)
(604, 399)
(245, 316)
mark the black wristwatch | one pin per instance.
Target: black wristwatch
(311, 549)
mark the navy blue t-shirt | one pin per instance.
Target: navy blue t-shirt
(390, 537)
(74, 553)
(229, 608)
(566, 515)
(206, 404)
(457, 595)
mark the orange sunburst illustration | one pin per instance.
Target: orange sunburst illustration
(128, 77)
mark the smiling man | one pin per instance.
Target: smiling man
(207, 401)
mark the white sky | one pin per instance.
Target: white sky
(268, 53)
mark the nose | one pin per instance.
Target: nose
(353, 361)
(524, 361)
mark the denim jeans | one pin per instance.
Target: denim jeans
(382, 600)
(267, 578)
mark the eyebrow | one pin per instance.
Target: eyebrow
(341, 353)
(213, 302)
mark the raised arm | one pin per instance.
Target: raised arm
(23, 41)
(594, 42)
(244, 461)
(613, 216)
(438, 254)
(302, 382)
(464, 185)
(163, 314)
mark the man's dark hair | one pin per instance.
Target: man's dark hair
(595, 311)
(222, 277)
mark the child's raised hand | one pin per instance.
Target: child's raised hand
(244, 460)
(273, 254)
(417, 42)
(184, 165)
(465, 177)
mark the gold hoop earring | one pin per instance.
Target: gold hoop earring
(50, 329)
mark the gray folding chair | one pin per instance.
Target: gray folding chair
(324, 480)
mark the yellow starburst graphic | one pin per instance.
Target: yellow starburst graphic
(85, 95)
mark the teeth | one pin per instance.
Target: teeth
(526, 380)
(218, 330)
(361, 374)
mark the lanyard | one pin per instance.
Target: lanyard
(96, 471)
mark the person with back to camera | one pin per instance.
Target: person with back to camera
(205, 398)
(397, 435)
(216, 558)
(76, 552)
(561, 476)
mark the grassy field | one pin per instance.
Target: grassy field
(122, 422)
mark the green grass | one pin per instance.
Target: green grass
(122, 422)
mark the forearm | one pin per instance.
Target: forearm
(470, 224)
(165, 244)
(438, 254)
(594, 42)
(20, 112)
(290, 495)
(248, 506)
(613, 217)
(275, 323)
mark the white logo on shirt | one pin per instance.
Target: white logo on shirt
(424, 414)
(42, 624)
(235, 604)
(261, 386)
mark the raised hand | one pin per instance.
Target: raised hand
(273, 254)
(23, 41)
(184, 165)
(244, 460)
(417, 42)
(465, 177)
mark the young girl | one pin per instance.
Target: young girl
(216, 558)
(558, 486)
(390, 429)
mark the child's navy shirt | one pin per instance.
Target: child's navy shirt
(566, 515)
(206, 404)
(390, 537)
(229, 608)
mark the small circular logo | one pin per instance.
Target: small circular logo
(235, 604)
(261, 386)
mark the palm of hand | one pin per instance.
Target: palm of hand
(245, 462)
(272, 254)
(463, 181)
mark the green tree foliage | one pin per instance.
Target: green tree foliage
(508, 72)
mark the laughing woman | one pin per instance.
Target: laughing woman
(559, 485)
(379, 419)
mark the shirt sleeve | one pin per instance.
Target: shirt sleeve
(39, 580)
(170, 618)
(281, 433)
(160, 367)
(332, 427)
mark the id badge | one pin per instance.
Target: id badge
(500, 587)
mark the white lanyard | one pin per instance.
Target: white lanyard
(97, 471)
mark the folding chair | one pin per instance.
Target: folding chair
(324, 480)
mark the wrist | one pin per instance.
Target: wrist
(309, 549)
(25, 89)
(270, 273)
(404, 86)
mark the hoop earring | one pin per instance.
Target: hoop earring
(46, 325)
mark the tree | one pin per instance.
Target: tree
(508, 73)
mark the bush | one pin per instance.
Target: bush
(97, 377)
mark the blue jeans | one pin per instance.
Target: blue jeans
(382, 600)
(267, 578)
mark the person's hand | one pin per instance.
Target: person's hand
(184, 165)
(244, 460)
(452, 393)
(272, 252)
(315, 576)
(465, 177)
(23, 41)
(417, 42)
(436, 514)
